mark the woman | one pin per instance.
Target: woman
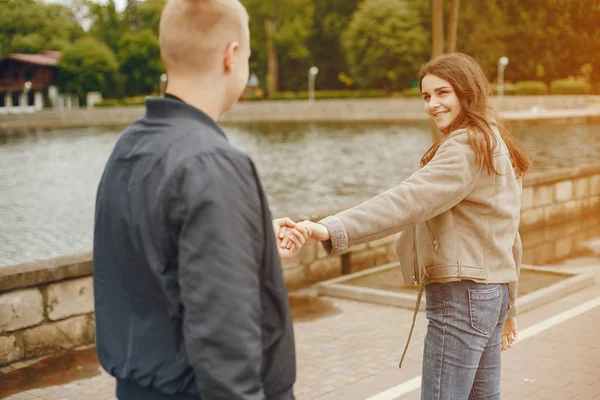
(459, 214)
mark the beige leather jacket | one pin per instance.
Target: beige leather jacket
(457, 221)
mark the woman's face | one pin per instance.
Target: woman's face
(441, 102)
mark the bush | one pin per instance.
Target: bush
(127, 101)
(528, 88)
(509, 89)
(568, 86)
(331, 94)
(411, 92)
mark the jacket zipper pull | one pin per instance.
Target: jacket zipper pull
(436, 245)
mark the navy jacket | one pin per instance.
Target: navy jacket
(189, 294)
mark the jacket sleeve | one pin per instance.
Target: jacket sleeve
(220, 244)
(513, 287)
(437, 187)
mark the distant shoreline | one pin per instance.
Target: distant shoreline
(513, 110)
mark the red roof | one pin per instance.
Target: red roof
(47, 57)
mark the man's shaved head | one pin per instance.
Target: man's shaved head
(194, 33)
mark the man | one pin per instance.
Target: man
(189, 294)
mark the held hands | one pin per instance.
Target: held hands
(509, 333)
(292, 236)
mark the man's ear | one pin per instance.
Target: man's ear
(230, 56)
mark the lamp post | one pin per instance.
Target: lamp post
(26, 89)
(162, 84)
(502, 63)
(312, 74)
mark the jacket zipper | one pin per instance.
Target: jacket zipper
(436, 245)
(416, 274)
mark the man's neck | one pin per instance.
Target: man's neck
(207, 98)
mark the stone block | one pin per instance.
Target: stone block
(595, 185)
(322, 270)
(573, 209)
(555, 213)
(295, 278)
(527, 256)
(563, 247)
(10, 349)
(533, 238)
(368, 259)
(57, 336)
(532, 218)
(563, 191)
(581, 188)
(20, 309)
(527, 201)
(68, 298)
(308, 253)
(290, 263)
(321, 253)
(543, 254)
(543, 195)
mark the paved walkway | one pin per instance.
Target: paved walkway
(354, 354)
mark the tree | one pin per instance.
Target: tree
(481, 34)
(32, 43)
(330, 19)
(383, 41)
(284, 26)
(140, 64)
(30, 26)
(107, 25)
(88, 66)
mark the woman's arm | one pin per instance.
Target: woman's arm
(441, 184)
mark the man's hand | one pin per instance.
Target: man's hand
(316, 233)
(296, 237)
(509, 333)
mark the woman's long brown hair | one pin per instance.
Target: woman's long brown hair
(472, 88)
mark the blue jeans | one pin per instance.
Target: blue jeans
(461, 359)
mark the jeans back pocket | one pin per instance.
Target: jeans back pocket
(484, 308)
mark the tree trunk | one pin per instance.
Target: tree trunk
(272, 61)
(437, 13)
(452, 26)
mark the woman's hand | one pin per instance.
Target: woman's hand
(297, 236)
(316, 233)
(509, 333)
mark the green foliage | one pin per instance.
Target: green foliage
(411, 92)
(126, 101)
(384, 36)
(526, 88)
(32, 43)
(331, 19)
(88, 66)
(331, 94)
(140, 64)
(481, 33)
(29, 25)
(569, 86)
(509, 89)
(293, 27)
(108, 26)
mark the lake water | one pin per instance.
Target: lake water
(48, 181)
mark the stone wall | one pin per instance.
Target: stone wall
(41, 312)
(47, 306)
(560, 211)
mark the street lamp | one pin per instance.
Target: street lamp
(502, 63)
(312, 74)
(26, 89)
(163, 84)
